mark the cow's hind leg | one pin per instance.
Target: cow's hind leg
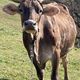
(64, 61)
(40, 70)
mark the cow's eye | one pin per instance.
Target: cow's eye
(38, 10)
(20, 9)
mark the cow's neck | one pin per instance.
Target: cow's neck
(46, 26)
(45, 34)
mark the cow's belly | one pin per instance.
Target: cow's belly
(66, 46)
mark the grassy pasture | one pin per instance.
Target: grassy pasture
(14, 61)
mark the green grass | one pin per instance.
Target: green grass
(14, 61)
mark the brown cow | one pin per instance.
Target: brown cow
(49, 33)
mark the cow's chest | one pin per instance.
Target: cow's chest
(43, 51)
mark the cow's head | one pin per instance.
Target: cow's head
(31, 12)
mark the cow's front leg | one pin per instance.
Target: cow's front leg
(40, 70)
(64, 61)
(55, 65)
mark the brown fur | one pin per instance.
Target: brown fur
(54, 38)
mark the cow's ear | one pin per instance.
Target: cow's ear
(51, 10)
(10, 9)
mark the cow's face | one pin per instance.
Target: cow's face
(31, 11)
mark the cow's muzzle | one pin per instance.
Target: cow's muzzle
(30, 26)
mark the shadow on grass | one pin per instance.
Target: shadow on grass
(3, 79)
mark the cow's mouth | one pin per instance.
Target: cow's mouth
(32, 32)
(29, 29)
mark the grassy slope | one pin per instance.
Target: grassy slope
(14, 61)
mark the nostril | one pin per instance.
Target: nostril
(25, 23)
(34, 24)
